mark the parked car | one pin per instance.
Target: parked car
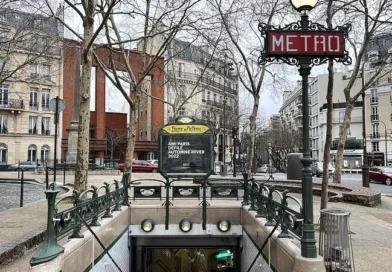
(265, 168)
(26, 165)
(317, 169)
(381, 174)
(153, 161)
(141, 166)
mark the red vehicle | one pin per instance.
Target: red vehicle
(141, 166)
(381, 174)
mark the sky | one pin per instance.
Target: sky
(270, 103)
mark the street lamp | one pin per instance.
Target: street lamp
(305, 44)
(227, 68)
(365, 165)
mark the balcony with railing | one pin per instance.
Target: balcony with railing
(33, 131)
(192, 78)
(45, 107)
(373, 100)
(33, 105)
(375, 135)
(12, 104)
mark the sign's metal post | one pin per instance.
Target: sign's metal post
(57, 105)
(305, 44)
(185, 151)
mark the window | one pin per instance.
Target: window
(341, 116)
(374, 96)
(181, 69)
(374, 115)
(34, 71)
(3, 153)
(46, 71)
(3, 123)
(214, 97)
(3, 94)
(375, 146)
(45, 99)
(34, 98)
(208, 95)
(45, 152)
(181, 111)
(32, 153)
(45, 126)
(33, 125)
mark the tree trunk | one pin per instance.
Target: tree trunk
(339, 154)
(252, 134)
(82, 156)
(328, 138)
(132, 135)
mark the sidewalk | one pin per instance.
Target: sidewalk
(371, 227)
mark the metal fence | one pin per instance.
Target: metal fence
(70, 213)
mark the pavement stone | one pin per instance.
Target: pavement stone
(370, 226)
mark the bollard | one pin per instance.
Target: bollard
(64, 166)
(19, 169)
(21, 190)
(47, 176)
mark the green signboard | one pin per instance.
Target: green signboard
(185, 149)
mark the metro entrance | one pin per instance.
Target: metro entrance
(189, 254)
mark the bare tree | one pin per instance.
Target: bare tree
(369, 20)
(156, 19)
(113, 139)
(26, 38)
(87, 11)
(243, 41)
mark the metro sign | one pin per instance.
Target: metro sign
(301, 43)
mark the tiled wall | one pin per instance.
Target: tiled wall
(119, 252)
(249, 252)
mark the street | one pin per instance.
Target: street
(347, 179)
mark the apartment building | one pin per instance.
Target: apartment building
(30, 76)
(291, 116)
(201, 85)
(378, 101)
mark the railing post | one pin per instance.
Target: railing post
(270, 209)
(262, 203)
(78, 225)
(286, 220)
(50, 249)
(246, 197)
(117, 207)
(108, 201)
(94, 221)
(253, 196)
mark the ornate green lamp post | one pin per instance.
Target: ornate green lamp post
(308, 242)
(305, 44)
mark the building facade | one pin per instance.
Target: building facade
(201, 85)
(109, 111)
(378, 99)
(291, 116)
(30, 76)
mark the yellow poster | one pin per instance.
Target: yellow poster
(186, 129)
